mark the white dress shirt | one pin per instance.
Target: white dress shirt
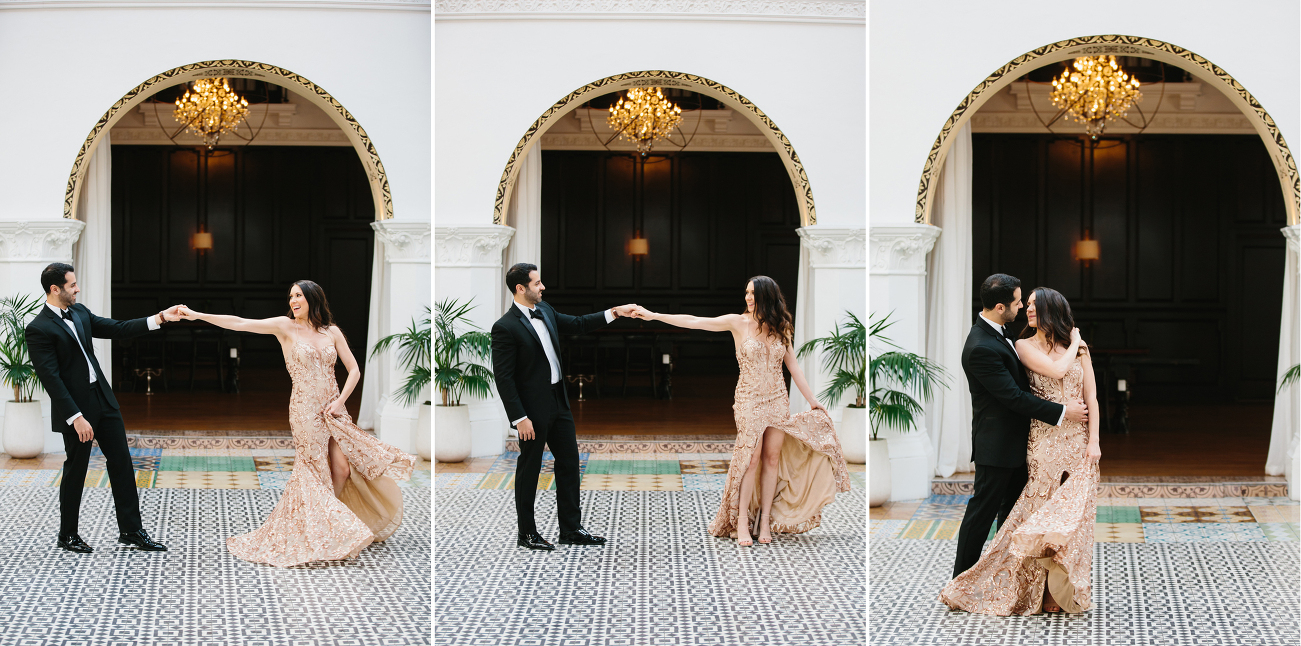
(545, 336)
(152, 322)
(999, 329)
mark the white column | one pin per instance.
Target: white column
(1285, 436)
(468, 265)
(26, 247)
(898, 289)
(404, 288)
(832, 261)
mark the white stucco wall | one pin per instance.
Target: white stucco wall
(495, 77)
(63, 68)
(926, 55)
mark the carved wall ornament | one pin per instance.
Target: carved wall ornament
(404, 240)
(237, 68)
(471, 246)
(902, 249)
(829, 247)
(660, 78)
(39, 240)
(1119, 46)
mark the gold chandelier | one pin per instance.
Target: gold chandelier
(210, 110)
(643, 117)
(1095, 91)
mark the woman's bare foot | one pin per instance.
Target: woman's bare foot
(743, 532)
(765, 535)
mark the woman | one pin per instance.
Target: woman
(1042, 556)
(796, 479)
(341, 495)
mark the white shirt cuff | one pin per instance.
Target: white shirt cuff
(1063, 417)
(152, 322)
(73, 418)
(512, 423)
(609, 315)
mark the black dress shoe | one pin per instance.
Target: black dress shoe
(73, 543)
(140, 539)
(581, 536)
(534, 541)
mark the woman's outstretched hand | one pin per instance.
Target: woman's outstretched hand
(643, 313)
(187, 314)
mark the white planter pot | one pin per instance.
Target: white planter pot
(878, 486)
(451, 433)
(853, 435)
(425, 432)
(24, 432)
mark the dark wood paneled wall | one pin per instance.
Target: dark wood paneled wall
(276, 214)
(1191, 254)
(712, 221)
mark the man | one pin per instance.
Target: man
(82, 405)
(526, 366)
(1002, 407)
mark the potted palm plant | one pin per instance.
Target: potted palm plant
(24, 433)
(915, 377)
(844, 356)
(458, 343)
(413, 354)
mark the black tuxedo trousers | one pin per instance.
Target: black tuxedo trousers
(110, 435)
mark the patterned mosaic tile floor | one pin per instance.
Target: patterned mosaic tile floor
(1167, 570)
(196, 593)
(662, 579)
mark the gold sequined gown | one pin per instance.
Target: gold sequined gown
(811, 468)
(310, 523)
(1047, 538)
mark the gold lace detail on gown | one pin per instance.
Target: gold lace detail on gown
(811, 469)
(309, 523)
(1047, 539)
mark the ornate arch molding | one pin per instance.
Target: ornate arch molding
(1205, 70)
(808, 214)
(236, 68)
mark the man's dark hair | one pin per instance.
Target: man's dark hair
(518, 274)
(55, 275)
(998, 288)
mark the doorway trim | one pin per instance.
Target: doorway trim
(296, 83)
(1117, 45)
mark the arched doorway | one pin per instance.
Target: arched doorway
(1282, 165)
(243, 69)
(333, 196)
(1200, 67)
(659, 78)
(794, 209)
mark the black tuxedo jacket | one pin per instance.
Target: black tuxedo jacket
(520, 366)
(60, 364)
(1001, 402)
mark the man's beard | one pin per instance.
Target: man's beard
(533, 297)
(67, 300)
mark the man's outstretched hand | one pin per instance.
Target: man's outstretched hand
(173, 313)
(625, 310)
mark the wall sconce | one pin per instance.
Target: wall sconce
(202, 241)
(1087, 250)
(638, 246)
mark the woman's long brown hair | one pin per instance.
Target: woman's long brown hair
(318, 308)
(1053, 314)
(770, 309)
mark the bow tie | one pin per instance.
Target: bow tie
(533, 313)
(67, 316)
(1007, 334)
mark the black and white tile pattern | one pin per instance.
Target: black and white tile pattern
(661, 579)
(1163, 594)
(197, 593)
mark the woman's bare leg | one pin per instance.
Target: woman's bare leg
(772, 450)
(339, 470)
(743, 504)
